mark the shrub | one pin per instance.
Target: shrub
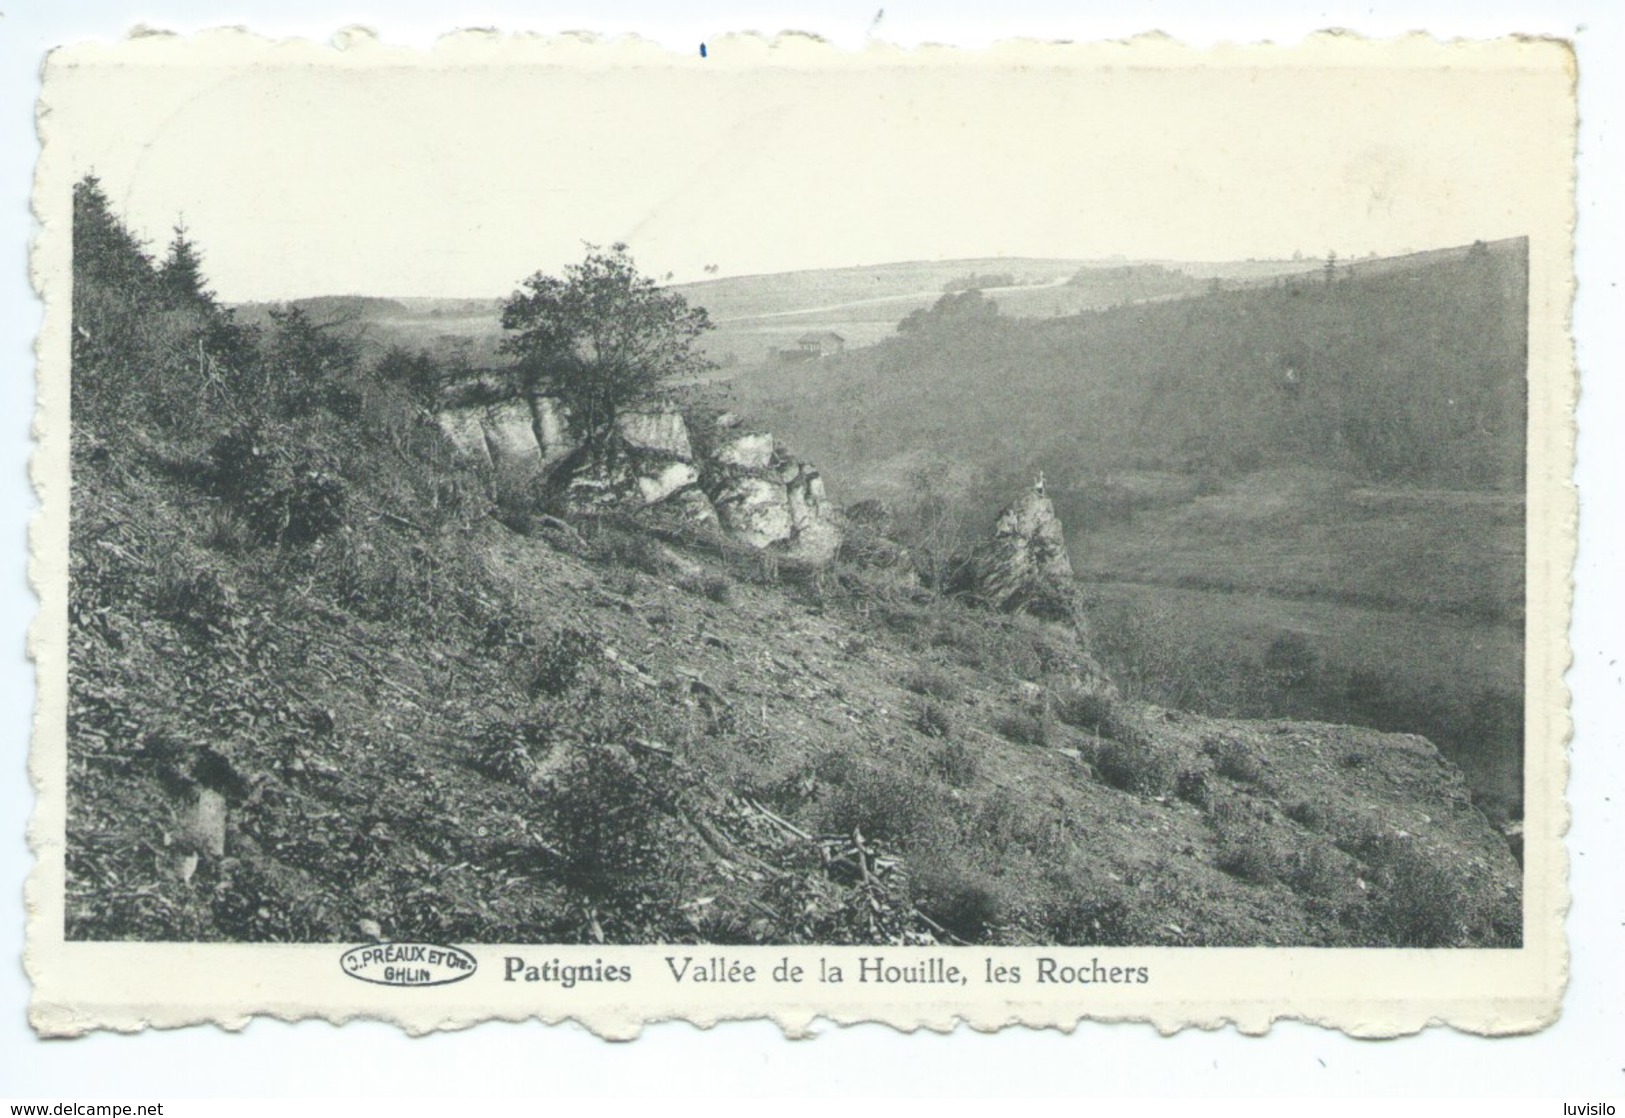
(504, 756)
(558, 663)
(227, 532)
(1006, 822)
(311, 363)
(1251, 853)
(1122, 723)
(197, 600)
(517, 492)
(718, 588)
(608, 818)
(1022, 728)
(883, 804)
(1320, 871)
(935, 683)
(1235, 759)
(1152, 652)
(1194, 788)
(963, 900)
(1291, 661)
(634, 550)
(285, 492)
(956, 763)
(419, 373)
(1418, 901)
(1085, 708)
(933, 720)
(1140, 764)
(1308, 814)
(1096, 915)
(905, 621)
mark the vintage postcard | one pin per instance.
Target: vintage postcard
(564, 529)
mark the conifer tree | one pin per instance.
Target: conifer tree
(180, 276)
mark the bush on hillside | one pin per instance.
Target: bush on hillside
(1424, 898)
(933, 720)
(956, 762)
(286, 492)
(1138, 763)
(1085, 708)
(934, 683)
(890, 806)
(1021, 727)
(560, 662)
(609, 817)
(1235, 759)
(964, 900)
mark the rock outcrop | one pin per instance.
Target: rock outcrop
(766, 498)
(465, 430)
(747, 484)
(754, 510)
(661, 434)
(1024, 566)
(509, 433)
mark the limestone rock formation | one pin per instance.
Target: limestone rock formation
(691, 505)
(766, 498)
(757, 493)
(550, 421)
(661, 433)
(1025, 564)
(754, 510)
(751, 451)
(655, 484)
(510, 434)
(648, 461)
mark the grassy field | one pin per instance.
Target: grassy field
(1306, 533)
(1305, 594)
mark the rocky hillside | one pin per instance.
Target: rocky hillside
(626, 729)
(340, 668)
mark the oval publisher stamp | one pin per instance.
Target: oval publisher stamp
(408, 964)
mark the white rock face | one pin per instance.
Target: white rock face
(663, 482)
(510, 435)
(694, 505)
(755, 511)
(808, 505)
(464, 428)
(818, 542)
(747, 452)
(660, 432)
(550, 421)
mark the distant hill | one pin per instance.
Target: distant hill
(757, 315)
(1403, 369)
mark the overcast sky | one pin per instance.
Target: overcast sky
(387, 179)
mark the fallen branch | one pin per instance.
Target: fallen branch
(781, 822)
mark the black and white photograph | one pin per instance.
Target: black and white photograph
(809, 551)
(794, 523)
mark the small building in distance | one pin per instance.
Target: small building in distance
(819, 343)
